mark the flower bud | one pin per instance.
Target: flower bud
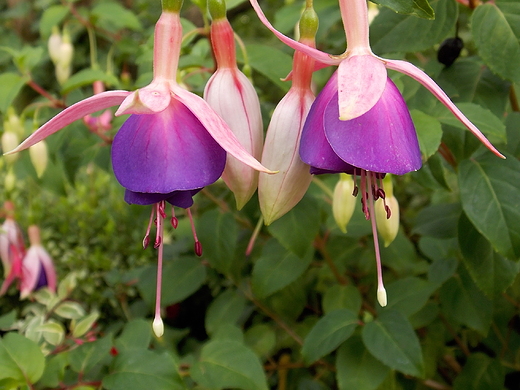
(53, 45)
(387, 227)
(343, 202)
(9, 142)
(13, 123)
(39, 157)
(66, 50)
(10, 180)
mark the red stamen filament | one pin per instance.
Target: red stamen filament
(198, 245)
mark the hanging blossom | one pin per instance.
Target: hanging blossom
(172, 145)
(359, 124)
(230, 93)
(279, 193)
(12, 248)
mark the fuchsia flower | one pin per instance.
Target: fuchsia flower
(230, 93)
(279, 193)
(359, 123)
(12, 248)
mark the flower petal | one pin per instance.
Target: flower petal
(216, 126)
(361, 82)
(417, 74)
(318, 55)
(76, 111)
(315, 149)
(148, 100)
(48, 269)
(165, 152)
(182, 199)
(382, 140)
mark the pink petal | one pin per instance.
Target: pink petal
(31, 271)
(76, 111)
(361, 82)
(417, 74)
(151, 99)
(217, 128)
(318, 55)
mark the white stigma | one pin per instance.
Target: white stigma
(381, 296)
(158, 326)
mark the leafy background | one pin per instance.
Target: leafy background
(300, 311)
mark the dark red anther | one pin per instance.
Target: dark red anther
(146, 241)
(175, 222)
(375, 193)
(157, 243)
(161, 210)
(114, 351)
(388, 212)
(381, 193)
(198, 248)
(355, 191)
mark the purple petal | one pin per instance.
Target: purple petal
(315, 149)
(382, 140)
(42, 279)
(182, 199)
(165, 152)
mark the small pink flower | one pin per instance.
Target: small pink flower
(12, 247)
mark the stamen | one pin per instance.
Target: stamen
(158, 326)
(381, 292)
(146, 239)
(356, 188)
(364, 195)
(174, 221)
(198, 245)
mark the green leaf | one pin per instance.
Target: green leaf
(225, 309)
(21, 359)
(392, 340)
(143, 370)
(261, 338)
(277, 268)
(188, 272)
(218, 232)
(70, 310)
(357, 368)
(51, 17)
(420, 8)
(262, 58)
(296, 229)
(84, 325)
(11, 84)
(54, 370)
(328, 334)
(408, 295)
(7, 320)
(87, 77)
(429, 133)
(438, 221)
(86, 356)
(137, 334)
(391, 32)
(464, 302)
(484, 119)
(513, 135)
(229, 364)
(491, 272)
(489, 189)
(480, 373)
(342, 297)
(114, 16)
(53, 332)
(496, 41)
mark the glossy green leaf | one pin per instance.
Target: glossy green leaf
(489, 190)
(137, 334)
(341, 297)
(408, 295)
(420, 8)
(392, 340)
(429, 133)
(463, 302)
(143, 370)
(228, 364)
(391, 32)
(480, 373)
(187, 272)
(218, 233)
(357, 368)
(11, 84)
(438, 221)
(496, 41)
(21, 359)
(225, 309)
(296, 229)
(277, 268)
(328, 334)
(86, 356)
(491, 272)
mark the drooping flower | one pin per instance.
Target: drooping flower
(359, 124)
(281, 192)
(12, 246)
(230, 93)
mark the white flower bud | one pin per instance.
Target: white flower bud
(10, 180)
(343, 202)
(387, 227)
(39, 157)
(53, 45)
(62, 73)
(9, 142)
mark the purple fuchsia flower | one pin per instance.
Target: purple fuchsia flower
(279, 193)
(171, 146)
(12, 248)
(359, 123)
(230, 93)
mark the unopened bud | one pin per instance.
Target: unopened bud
(10, 180)
(13, 123)
(53, 45)
(66, 51)
(9, 142)
(62, 73)
(343, 203)
(387, 213)
(39, 157)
